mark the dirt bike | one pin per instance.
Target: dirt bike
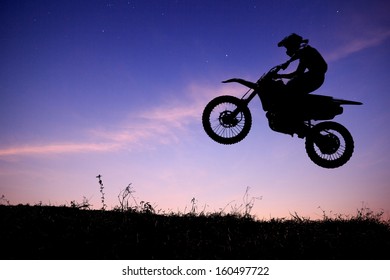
(228, 120)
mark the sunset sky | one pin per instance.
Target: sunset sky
(117, 88)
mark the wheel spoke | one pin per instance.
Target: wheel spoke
(220, 123)
(226, 130)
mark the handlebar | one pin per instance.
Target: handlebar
(274, 70)
(277, 68)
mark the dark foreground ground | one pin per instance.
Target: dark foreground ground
(47, 232)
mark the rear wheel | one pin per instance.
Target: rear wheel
(329, 144)
(221, 122)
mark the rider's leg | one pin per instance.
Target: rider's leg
(298, 88)
(304, 84)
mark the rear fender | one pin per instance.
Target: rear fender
(346, 102)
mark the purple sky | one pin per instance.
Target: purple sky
(118, 87)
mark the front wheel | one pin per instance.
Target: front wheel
(223, 122)
(329, 144)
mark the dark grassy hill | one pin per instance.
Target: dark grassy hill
(48, 232)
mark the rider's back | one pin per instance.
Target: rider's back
(312, 60)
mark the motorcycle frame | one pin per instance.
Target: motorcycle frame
(245, 103)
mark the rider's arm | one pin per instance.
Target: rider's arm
(287, 76)
(300, 70)
(294, 57)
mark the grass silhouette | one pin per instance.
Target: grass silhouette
(60, 232)
(135, 230)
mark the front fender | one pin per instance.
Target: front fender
(242, 82)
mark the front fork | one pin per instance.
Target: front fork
(244, 103)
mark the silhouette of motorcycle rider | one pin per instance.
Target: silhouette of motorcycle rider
(309, 76)
(310, 73)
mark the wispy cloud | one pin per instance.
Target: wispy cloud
(58, 148)
(356, 44)
(163, 124)
(148, 126)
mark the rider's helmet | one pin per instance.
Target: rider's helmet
(292, 43)
(292, 40)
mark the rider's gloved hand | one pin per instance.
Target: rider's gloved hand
(278, 76)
